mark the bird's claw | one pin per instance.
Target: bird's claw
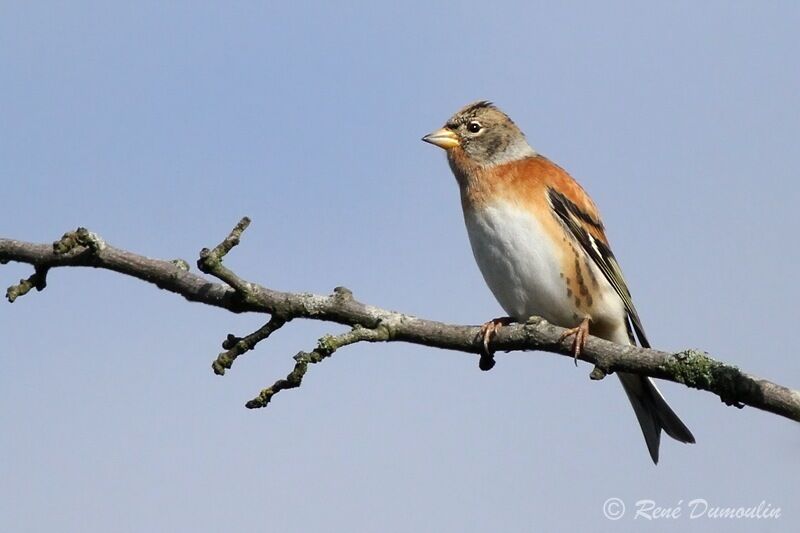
(487, 333)
(581, 333)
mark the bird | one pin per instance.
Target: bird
(541, 247)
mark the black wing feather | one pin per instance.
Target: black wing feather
(572, 217)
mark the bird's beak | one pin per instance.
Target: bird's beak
(443, 138)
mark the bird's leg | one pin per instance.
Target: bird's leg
(486, 334)
(581, 332)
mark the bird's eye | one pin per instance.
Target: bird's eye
(474, 127)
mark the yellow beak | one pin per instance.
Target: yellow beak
(443, 138)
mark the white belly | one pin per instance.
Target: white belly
(522, 267)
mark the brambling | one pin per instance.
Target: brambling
(540, 244)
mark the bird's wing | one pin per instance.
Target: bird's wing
(580, 217)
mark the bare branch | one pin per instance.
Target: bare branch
(325, 348)
(372, 324)
(236, 346)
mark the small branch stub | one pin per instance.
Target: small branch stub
(597, 374)
(37, 280)
(236, 346)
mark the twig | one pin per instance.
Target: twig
(210, 261)
(325, 348)
(236, 346)
(37, 280)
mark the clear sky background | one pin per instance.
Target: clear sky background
(160, 124)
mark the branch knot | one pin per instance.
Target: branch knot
(81, 237)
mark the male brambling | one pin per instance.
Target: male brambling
(540, 244)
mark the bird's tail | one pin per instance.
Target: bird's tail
(653, 412)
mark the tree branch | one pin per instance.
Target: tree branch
(83, 248)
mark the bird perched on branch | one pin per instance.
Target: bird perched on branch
(540, 244)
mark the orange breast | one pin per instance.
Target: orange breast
(525, 184)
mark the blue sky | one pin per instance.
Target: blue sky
(159, 126)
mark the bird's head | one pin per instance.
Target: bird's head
(481, 135)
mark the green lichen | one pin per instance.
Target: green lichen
(37, 280)
(80, 237)
(181, 264)
(327, 345)
(22, 288)
(697, 370)
(693, 368)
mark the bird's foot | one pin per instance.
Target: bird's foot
(487, 333)
(581, 332)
